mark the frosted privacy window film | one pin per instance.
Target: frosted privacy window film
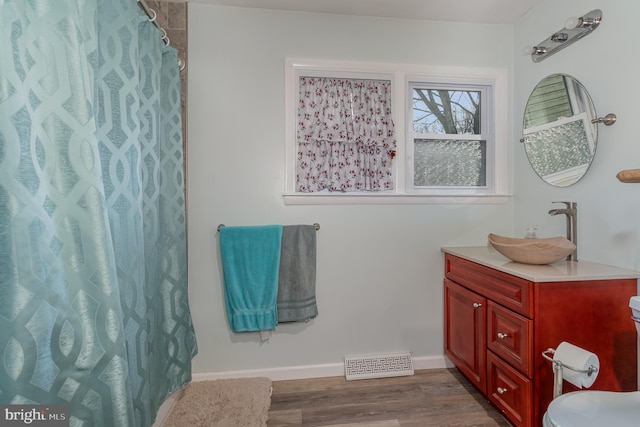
(434, 168)
(559, 148)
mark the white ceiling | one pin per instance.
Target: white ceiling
(480, 11)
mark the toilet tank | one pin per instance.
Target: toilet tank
(634, 303)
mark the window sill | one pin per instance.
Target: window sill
(394, 199)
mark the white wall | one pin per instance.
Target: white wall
(380, 269)
(608, 65)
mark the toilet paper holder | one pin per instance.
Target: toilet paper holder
(557, 371)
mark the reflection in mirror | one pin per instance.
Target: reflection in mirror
(559, 138)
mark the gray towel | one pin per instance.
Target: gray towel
(297, 277)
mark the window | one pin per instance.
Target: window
(361, 133)
(448, 135)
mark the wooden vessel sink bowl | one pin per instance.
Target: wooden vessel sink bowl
(533, 251)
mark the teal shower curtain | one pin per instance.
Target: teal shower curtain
(94, 309)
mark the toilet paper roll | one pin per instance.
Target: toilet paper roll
(579, 358)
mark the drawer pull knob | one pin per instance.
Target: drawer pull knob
(502, 336)
(477, 305)
(502, 390)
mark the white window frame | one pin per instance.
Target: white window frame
(486, 110)
(400, 76)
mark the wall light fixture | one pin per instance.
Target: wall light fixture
(574, 29)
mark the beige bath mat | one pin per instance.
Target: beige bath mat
(238, 402)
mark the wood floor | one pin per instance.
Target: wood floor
(434, 397)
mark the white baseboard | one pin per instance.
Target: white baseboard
(311, 371)
(166, 407)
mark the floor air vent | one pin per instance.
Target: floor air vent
(378, 366)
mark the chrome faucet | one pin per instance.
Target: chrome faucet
(571, 213)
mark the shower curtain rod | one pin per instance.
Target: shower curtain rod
(152, 17)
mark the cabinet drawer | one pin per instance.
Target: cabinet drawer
(509, 391)
(510, 336)
(510, 291)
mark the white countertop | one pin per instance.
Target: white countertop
(560, 271)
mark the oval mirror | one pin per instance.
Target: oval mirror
(559, 138)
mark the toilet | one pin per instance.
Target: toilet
(597, 408)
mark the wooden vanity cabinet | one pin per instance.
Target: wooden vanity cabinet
(497, 325)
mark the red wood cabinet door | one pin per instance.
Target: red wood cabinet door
(465, 332)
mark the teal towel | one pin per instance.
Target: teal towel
(250, 263)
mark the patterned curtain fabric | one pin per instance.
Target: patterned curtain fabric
(345, 135)
(93, 285)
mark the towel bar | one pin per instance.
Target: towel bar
(315, 225)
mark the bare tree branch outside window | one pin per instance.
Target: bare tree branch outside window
(446, 111)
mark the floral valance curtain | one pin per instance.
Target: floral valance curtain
(345, 135)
